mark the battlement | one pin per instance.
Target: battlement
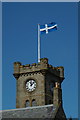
(42, 65)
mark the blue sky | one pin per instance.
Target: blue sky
(19, 43)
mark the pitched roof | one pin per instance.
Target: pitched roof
(47, 111)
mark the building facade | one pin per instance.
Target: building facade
(38, 84)
(38, 92)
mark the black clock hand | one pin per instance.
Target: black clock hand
(31, 83)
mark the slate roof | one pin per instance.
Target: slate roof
(47, 111)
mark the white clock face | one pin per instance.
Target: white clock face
(30, 85)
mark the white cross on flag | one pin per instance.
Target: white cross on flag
(48, 27)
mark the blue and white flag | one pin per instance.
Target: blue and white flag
(48, 27)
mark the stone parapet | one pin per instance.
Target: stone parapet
(41, 66)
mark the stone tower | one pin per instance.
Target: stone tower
(38, 84)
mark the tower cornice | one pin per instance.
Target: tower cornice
(42, 67)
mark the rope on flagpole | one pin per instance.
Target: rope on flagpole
(38, 43)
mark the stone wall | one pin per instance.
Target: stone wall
(44, 75)
(43, 65)
(22, 94)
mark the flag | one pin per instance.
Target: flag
(48, 27)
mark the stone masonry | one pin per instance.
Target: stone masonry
(47, 95)
(48, 79)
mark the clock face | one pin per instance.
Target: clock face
(30, 85)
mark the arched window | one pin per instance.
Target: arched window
(34, 102)
(27, 103)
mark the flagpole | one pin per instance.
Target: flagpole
(38, 43)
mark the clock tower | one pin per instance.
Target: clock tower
(38, 84)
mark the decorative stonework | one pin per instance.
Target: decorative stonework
(43, 65)
(44, 75)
